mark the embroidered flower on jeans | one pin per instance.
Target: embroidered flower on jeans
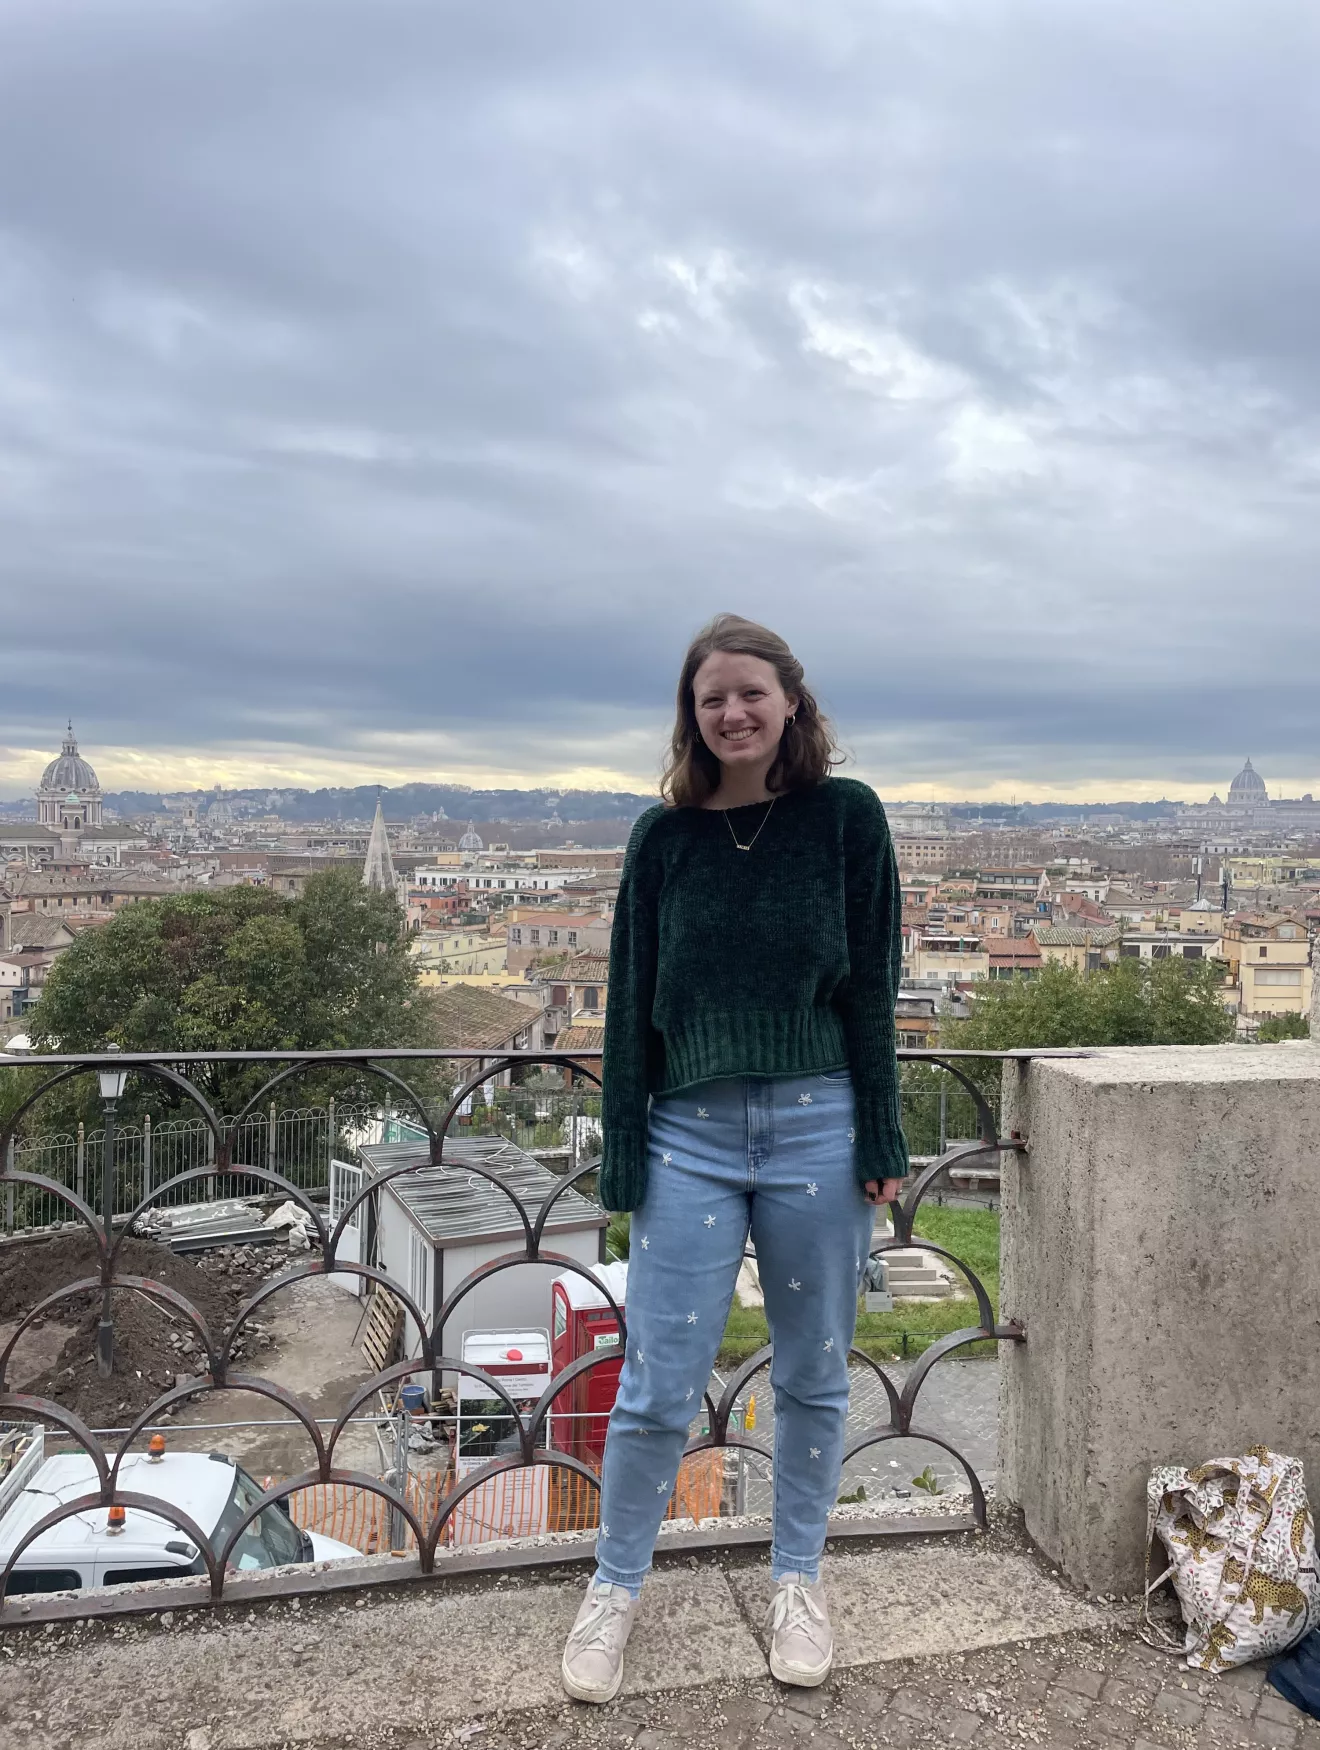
(812, 1189)
(641, 1355)
(710, 1221)
(666, 1159)
(645, 1243)
(815, 1452)
(702, 1112)
(691, 1393)
(852, 1136)
(829, 1344)
(604, 1531)
(804, 1099)
(661, 1487)
(692, 1318)
(794, 1284)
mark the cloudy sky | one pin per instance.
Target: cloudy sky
(388, 388)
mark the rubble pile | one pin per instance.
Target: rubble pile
(155, 1347)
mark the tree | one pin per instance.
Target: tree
(1278, 1027)
(241, 969)
(1132, 1002)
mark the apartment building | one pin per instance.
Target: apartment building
(1020, 882)
(457, 950)
(1014, 957)
(1269, 959)
(535, 932)
(489, 881)
(919, 851)
(578, 858)
(1167, 945)
(951, 955)
(578, 987)
(916, 1020)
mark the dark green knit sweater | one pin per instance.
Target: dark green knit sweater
(781, 960)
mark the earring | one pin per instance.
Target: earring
(790, 720)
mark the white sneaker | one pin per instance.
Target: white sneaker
(592, 1667)
(801, 1639)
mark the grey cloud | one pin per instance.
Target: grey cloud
(399, 369)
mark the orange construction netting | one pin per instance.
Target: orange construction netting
(516, 1503)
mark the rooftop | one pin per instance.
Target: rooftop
(466, 1014)
(1075, 936)
(576, 969)
(37, 929)
(453, 1205)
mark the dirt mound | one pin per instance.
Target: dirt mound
(154, 1345)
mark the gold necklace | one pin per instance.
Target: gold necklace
(756, 835)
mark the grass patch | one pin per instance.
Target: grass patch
(969, 1234)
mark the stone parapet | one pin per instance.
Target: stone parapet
(1160, 1245)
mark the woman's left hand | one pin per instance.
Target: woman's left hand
(878, 1193)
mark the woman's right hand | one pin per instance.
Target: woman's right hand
(878, 1192)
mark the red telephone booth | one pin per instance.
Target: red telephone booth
(583, 1322)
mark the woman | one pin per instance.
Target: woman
(750, 1085)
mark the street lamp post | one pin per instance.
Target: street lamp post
(112, 1088)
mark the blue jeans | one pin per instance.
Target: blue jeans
(773, 1157)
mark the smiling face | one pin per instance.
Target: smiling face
(741, 709)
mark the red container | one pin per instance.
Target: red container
(583, 1322)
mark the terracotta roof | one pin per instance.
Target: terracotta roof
(1081, 907)
(575, 969)
(1074, 936)
(95, 881)
(580, 1039)
(1014, 949)
(465, 1014)
(37, 929)
(1266, 919)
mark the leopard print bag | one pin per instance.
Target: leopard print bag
(1241, 1550)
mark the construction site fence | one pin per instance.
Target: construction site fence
(297, 1144)
(519, 1503)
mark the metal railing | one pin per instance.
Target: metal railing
(562, 1127)
(227, 1152)
(298, 1144)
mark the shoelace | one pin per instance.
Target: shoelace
(794, 1607)
(594, 1630)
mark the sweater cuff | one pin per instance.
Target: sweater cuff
(880, 1151)
(622, 1181)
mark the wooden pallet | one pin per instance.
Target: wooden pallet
(384, 1333)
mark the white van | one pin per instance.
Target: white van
(84, 1551)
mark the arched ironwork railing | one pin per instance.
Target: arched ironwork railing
(109, 1230)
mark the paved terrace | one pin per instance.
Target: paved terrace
(969, 1639)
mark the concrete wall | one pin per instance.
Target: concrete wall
(1160, 1245)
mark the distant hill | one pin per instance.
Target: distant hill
(405, 801)
(461, 804)
(1025, 813)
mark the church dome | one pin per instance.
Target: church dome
(1248, 786)
(70, 771)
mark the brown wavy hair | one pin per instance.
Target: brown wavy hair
(807, 749)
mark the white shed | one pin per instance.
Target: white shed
(435, 1226)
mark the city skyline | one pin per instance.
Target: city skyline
(119, 774)
(402, 407)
